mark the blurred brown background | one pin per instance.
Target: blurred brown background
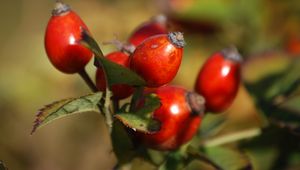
(28, 80)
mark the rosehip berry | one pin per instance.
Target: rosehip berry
(180, 115)
(219, 78)
(158, 58)
(62, 38)
(158, 25)
(120, 91)
(293, 45)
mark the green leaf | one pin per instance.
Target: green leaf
(89, 42)
(268, 155)
(211, 125)
(262, 72)
(273, 94)
(152, 102)
(203, 10)
(156, 157)
(281, 111)
(287, 83)
(194, 154)
(66, 107)
(142, 120)
(227, 159)
(262, 157)
(124, 108)
(139, 122)
(283, 116)
(122, 144)
(259, 89)
(115, 73)
(281, 83)
(231, 137)
(294, 160)
(174, 161)
(140, 163)
(199, 165)
(292, 106)
(292, 102)
(138, 93)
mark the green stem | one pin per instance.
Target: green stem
(105, 101)
(83, 74)
(107, 112)
(232, 137)
(280, 100)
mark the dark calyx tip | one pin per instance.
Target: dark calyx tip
(196, 103)
(60, 8)
(177, 39)
(232, 53)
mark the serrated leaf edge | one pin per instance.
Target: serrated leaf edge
(38, 122)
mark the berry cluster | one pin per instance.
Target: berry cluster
(156, 58)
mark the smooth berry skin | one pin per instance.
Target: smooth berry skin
(178, 121)
(62, 37)
(120, 91)
(148, 29)
(218, 80)
(157, 60)
(293, 46)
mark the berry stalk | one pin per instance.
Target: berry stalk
(83, 74)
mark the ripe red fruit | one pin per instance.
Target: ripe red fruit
(158, 25)
(62, 38)
(293, 45)
(158, 58)
(180, 115)
(120, 91)
(219, 78)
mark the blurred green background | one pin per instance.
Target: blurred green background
(28, 80)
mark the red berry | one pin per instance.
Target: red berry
(180, 115)
(158, 58)
(120, 91)
(293, 45)
(218, 80)
(156, 26)
(62, 38)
